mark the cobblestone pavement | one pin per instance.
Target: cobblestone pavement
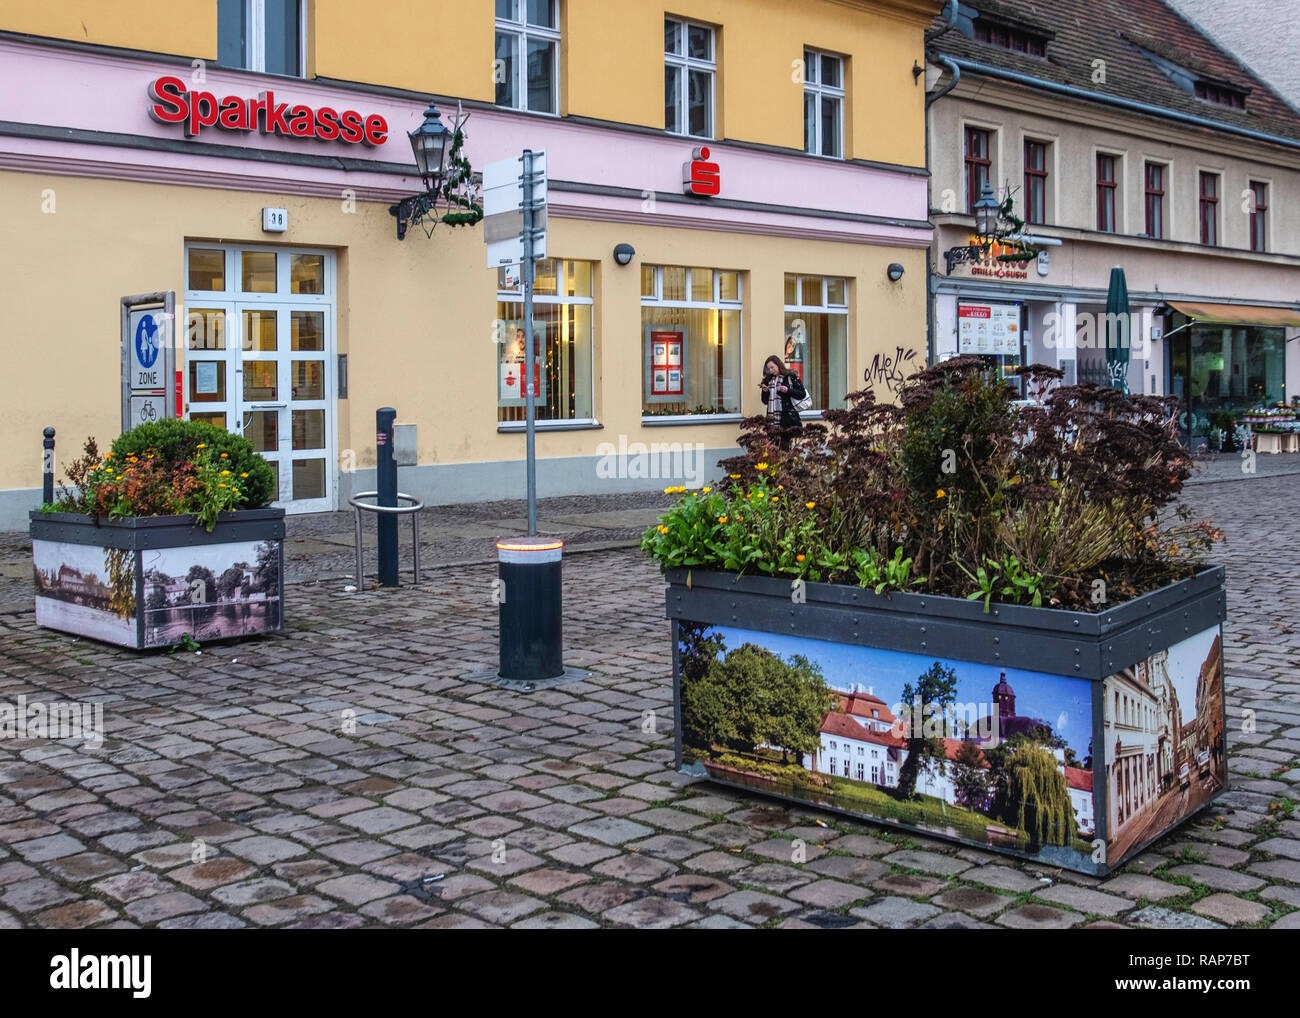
(454, 804)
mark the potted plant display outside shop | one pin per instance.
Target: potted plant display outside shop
(166, 538)
(978, 619)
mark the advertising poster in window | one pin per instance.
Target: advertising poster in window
(665, 365)
(796, 345)
(988, 329)
(510, 370)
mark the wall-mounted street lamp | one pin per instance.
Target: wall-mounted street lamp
(995, 223)
(623, 253)
(895, 272)
(988, 210)
(448, 195)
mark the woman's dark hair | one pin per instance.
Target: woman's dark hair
(774, 359)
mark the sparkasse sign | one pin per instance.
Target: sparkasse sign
(174, 103)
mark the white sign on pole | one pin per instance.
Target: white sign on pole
(503, 210)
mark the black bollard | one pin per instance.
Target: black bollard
(386, 485)
(47, 466)
(530, 598)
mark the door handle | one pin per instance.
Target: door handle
(267, 406)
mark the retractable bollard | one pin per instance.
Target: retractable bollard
(529, 597)
(386, 484)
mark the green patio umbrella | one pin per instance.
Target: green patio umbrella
(1116, 332)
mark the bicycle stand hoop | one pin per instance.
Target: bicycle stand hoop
(398, 510)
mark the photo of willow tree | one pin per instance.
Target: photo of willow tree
(941, 745)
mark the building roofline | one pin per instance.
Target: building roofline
(1074, 92)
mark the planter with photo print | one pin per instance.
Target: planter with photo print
(168, 536)
(956, 616)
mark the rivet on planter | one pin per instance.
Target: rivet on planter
(997, 656)
(923, 644)
(997, 639)
(1076, 668)
(923, 629)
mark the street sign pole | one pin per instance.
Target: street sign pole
(530, 366)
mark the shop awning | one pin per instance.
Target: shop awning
(1236, 314)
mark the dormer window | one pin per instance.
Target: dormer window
(1221, 95)
(1008, 37)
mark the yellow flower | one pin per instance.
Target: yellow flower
(663, 529)
(734, 477)
(810, 505)
(775, 499)
(225, 473)
(799, 558)
(940, 494)
(741, 518)
(707, 490)
(108, 455)
(759, 494)
(220, 485)
(780, 487)
(244, 474)
(761, 466)
(201, 445)
(722, 519)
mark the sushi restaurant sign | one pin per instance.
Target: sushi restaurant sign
(983, 262)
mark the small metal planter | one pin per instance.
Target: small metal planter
(145, 581)
(1073, 738)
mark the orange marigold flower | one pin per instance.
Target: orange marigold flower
(940, 494)
(225, 455)
(722, 519)
(799, 558)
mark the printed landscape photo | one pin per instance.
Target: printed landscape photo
(211, 592)
(998, 757)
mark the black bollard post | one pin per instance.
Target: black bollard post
(47, 466)
(386, 485)
(530, 597)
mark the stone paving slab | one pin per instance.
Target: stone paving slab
(229, 792)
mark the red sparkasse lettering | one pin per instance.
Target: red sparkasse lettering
(203, 112)
(351, 128)
(327, 123)
(376, 129)
(171, 102)
(233, 114)
(273, 122)
(302, 122)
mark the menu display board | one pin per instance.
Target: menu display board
(988, 329)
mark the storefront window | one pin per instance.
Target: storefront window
(1218, 372)
(562, 342)
(816, 337)
(690, 323)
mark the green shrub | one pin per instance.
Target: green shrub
(177, 440)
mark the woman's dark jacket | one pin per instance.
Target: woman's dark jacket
(789, 415)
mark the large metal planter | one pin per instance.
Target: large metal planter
(1132, 695)
(143, 581)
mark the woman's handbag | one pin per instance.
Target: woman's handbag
(803, 404)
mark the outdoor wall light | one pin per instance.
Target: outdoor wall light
(623, 253)
(449, 191)
(987, 212)
(895, 272)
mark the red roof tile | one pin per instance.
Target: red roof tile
(1125, 34)
(845, 727)
(1078, 778)
(862, 704)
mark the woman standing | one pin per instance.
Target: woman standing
(781, 390)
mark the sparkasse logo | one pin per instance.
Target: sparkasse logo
(75, 971)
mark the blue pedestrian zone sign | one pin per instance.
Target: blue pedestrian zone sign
(146, 341)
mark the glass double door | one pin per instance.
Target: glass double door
(263, 369)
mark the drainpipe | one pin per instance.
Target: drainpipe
(948, 64)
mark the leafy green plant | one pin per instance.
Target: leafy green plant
(177, 440)
(958, 491)
(186, 642)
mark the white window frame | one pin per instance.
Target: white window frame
(821, 91)
(825, 308)
(686, 64)
(254, 57)
(516, 296)
(521, 30)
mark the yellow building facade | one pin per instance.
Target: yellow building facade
(298, 312)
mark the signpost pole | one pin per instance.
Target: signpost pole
(386, 484)
(530, 365)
